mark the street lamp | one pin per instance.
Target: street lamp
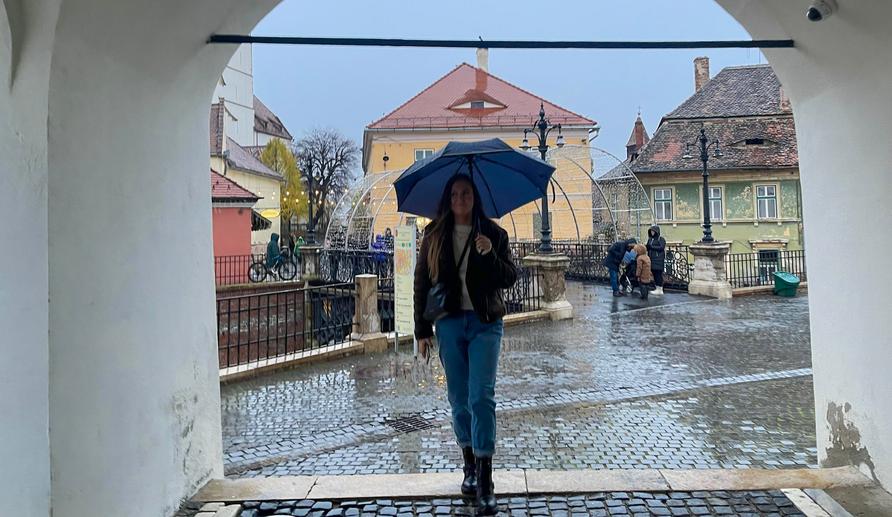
(541, 129)
(704, 144)
(307, 180)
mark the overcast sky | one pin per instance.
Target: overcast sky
(348, 87)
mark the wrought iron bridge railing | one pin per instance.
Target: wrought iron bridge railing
(587, 261)
(255, 327)
(757, 269)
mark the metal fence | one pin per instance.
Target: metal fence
(526, 293)
(233, 269)
(343, 265)
(386, 304)
(258, 327)
(678, 267)
(758, 268)
(523, 296)
(587, 261)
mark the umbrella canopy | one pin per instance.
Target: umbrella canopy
(505, 177)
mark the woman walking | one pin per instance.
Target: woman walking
(465, 257)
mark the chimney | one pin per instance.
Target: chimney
(483, 59)
(785, 101)
(701, 72)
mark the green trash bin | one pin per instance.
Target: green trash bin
(785, 284)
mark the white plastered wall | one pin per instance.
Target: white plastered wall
(838, 79)
(25, 50)
(108, 386)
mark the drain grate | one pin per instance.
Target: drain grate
(410, 423)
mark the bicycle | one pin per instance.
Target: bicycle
(284, 269)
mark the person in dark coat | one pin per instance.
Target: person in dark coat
(656, 250)
(614, 258)
(469, 255)
(388, 240)
(273, 255)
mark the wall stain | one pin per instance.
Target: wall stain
(845, 441)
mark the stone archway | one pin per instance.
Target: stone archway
(110, 398)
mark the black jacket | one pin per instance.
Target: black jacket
(656, 249)
(487, 275)
(615, 254)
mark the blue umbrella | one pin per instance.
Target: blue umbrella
(505, 177)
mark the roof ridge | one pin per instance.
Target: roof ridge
(444, 76)
(732, 67)
(505, 81)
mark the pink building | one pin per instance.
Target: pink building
(233, 221)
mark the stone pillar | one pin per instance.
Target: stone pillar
(310, 262)
(552, 269)
(710, 276)
(366, 321)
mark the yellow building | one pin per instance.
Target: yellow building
(470, 104)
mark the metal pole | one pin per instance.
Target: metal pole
(393, 42)
(704, 157)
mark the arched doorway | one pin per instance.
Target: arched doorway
(105, 105)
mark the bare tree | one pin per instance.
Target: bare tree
(330, 159)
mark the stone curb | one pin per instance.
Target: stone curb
(526, 482)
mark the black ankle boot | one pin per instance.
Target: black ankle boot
(486, 499)
(469, 484)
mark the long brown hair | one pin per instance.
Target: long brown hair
(441, 227)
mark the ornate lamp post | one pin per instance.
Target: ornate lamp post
(541, 129)
(307, 179)
(705, 145)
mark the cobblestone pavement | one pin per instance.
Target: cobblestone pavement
(771, 503)
(672, 383)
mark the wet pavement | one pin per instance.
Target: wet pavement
(677, 382)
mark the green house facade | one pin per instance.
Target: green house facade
(739, 214)
(754, 193)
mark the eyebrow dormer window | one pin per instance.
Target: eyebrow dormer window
(754, 141)
(477, 105)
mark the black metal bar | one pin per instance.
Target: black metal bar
(509, 44)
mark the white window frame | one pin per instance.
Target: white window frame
(663, 202)
(759, 198)
(424, 153)
(720, 217)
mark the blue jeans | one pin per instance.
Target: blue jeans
(469, 352)
(614, 279)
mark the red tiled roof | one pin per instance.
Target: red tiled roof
(431, 107)
(224, 189)
(747, 143)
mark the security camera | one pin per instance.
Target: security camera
(820, 10)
